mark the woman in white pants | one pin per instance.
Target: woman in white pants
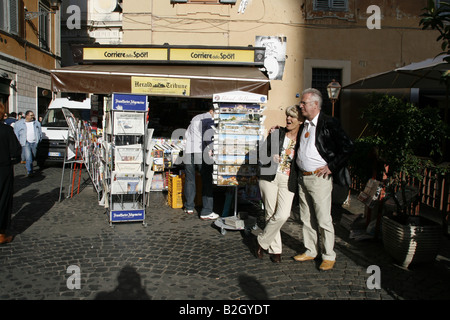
(278, 182)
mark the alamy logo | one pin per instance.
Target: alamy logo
(74, 280)
(374, 281)
(74, 20)
(374, 21)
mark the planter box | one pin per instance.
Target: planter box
(410, 244)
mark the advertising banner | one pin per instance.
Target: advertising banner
(127, 215)
(129, 102)
(212, 55)
(162, 86)
(124, 54)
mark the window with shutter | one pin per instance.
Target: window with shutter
(44, 27)
(321, 77)
(330, 5)
(9, 16)
(340, 5)
(3, 15)
(14, 16)
(205, 1)
(321, 5)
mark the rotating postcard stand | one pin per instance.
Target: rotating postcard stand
(238, 129)
(124, 138)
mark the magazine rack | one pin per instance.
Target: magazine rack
(124, 154)
(238, 123)
(72, 154)
(82, 148)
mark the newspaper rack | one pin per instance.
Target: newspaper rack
(124, 139)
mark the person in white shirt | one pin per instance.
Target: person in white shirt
(321, 160)
(29, 134)
(193, 160)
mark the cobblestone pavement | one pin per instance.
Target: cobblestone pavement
(180, 257)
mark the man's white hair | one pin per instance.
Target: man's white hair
(316, 95)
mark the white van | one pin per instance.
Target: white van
(55, 128)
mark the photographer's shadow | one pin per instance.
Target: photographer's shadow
(129, 287)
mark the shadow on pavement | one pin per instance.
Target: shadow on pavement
(129, 287)
(32, 204)
(252, 288)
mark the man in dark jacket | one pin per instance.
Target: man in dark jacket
(10, 154)
(11, 119)
(321, 160)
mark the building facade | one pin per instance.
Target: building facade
(89, 22)
(308, 42)
(352, 39)
(29, 49)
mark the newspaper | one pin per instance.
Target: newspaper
(127, 183)
(129, 123)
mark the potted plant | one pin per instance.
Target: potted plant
(401, 140)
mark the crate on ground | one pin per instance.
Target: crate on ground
(175, 184)
(175, 201)
(175, 192)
